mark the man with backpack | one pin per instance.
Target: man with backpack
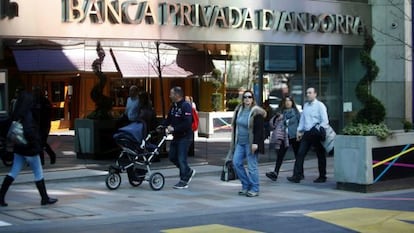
(178, 123)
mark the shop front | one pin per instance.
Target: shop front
(273, 47)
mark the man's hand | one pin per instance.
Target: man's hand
(254, 147)
(170, 129)
(299, 136)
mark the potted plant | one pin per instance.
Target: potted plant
(367, 140)
(93, 135)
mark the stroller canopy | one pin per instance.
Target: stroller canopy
(134, 131)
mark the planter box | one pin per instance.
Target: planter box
(214, 123)
(354, 157)
(93, 139)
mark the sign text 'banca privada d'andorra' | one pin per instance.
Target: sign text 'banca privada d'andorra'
(197, 15)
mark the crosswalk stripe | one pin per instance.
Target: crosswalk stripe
(216, 228)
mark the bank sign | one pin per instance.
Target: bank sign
(133, 12)
(328, 22)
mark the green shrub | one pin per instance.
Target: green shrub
(407, 126)
(379, 130)
(232, 103)
(373, 111)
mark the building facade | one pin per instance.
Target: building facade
(274, 47)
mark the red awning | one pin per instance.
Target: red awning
(139, 64)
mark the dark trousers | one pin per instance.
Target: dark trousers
(281, 152)
(305, 144)
(178, 155)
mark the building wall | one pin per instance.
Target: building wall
(393, 84)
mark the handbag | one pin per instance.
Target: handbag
(228, 173)
(16, 133)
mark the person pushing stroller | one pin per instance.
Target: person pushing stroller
(178, 123)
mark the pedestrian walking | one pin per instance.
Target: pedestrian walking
(27, 153)
(247, 141)
(314, 116)
(43, 110)
(284, 126)
(194, 124)
(178, 123)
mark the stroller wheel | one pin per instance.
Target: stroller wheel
(156, 181)
(113, 181)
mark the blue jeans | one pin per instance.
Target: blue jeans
(249, 182)
(178, 155)
(34, 162)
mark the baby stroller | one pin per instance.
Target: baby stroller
(136, 156)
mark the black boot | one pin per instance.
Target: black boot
(8, 180)
(42, 191)
(51, 154)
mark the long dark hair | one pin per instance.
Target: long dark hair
(282, 104)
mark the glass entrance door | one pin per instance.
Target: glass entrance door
(59, 91)
(323, 72)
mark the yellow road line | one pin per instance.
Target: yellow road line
(368, 220)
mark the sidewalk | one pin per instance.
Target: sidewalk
(209, 156)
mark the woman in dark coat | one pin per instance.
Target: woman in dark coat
(26, 153)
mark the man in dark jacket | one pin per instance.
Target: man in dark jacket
(26, 153)
(178, 123)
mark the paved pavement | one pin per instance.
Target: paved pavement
(80, 186)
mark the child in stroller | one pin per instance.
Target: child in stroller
(136, 156)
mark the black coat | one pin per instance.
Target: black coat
(42, 109)
(23, 113)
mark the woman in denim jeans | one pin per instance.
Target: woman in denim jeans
(27, 153)
(247, 142)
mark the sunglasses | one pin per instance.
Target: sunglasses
(247, 97)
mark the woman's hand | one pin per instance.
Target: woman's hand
(254, 147)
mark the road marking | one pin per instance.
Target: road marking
(293, 213)
(216, 228)
(3, 224)
(369, 220)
